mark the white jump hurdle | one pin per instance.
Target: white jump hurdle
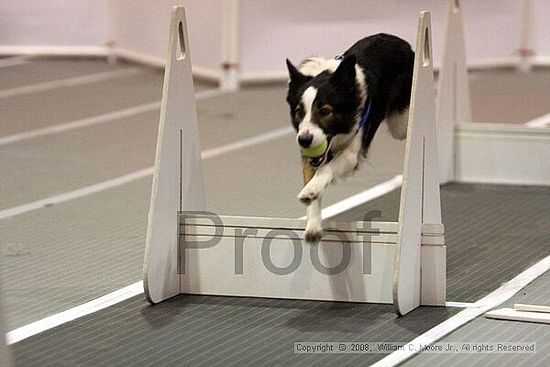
(481, 152)
(190, 251)
(5, 357)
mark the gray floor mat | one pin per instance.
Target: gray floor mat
(492, 233)
(244, 331)
(506, 95)
(499, 331)
(38, 110)
(221, 331)
(46, 70)
(62, 256)
(235, 184)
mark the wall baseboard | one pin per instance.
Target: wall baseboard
(214, 75)
(80, 51)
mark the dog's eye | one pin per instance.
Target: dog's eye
(298, 111)
(325, 111)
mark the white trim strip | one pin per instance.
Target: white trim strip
(98, 119)
(13, 61)
(461, 304)
(80, 51)
(541, 121)
(123, 180)
(77, 124)
(69, 82)
(87, 308)
(493, 299)
(78, 193)
(245, 143)
(362, 197)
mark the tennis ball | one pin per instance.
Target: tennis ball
(316, 151)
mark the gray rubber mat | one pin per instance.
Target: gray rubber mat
(264, 180)
(492, 233)
(46, 70)
(38, 110)
(506, 95)
(500, 331)
(61, 256)
(221, 331)
(235, 183)
(37, 168)
(64, 255)
(193, 330)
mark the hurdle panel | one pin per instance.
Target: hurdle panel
(268, 257)
(420, 197)
(177, 180)
(488, 153)
(192, 251)
(453, 92)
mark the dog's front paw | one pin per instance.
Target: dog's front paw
(306, 197)
(313, 235)
(310, 193)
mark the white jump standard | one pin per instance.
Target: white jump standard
(191, 251)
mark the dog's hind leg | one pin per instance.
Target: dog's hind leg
(397, 115)
(398, 123)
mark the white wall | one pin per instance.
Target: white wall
(53, 23)
(142, 26)
(270, 30)
(540, 35)
(274, 29)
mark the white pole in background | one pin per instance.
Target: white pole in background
(230, 45)
(524, 51)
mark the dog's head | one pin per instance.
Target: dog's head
(324, 103)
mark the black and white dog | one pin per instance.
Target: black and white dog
(344, 100)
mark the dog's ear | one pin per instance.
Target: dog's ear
(345, 73)
(296, 78)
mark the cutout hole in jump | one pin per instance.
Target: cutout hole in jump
(181, 38)
(426, 47)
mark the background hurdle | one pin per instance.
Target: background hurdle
(5, 357)
(474, 151)
(409, 254)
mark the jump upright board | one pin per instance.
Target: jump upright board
(190, 250)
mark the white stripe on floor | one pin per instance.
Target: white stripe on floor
(98, 119)
(87, 308)
(14, 61)
(363, 197)
(125, 179)
(493, 299)
(69, 82)
(249, 142)
(541, 121)
(75, 194)
(77, 124)
(461, 304)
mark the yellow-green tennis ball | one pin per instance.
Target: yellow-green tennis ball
(316, 151)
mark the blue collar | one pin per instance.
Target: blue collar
(365, 116)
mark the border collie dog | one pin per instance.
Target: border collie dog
(343, 101)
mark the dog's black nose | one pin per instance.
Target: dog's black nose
(305, 140)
